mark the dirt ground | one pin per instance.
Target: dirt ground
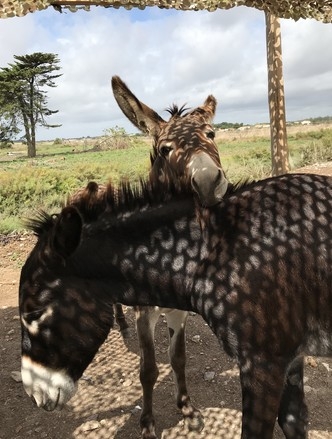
(108, 402)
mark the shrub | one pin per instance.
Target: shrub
(57, 141)
(5, 144)
(317, 152)
(114, 138)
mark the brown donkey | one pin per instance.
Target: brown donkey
(184, 153)
(183, 147)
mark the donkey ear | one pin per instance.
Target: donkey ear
(210, 106)
(67, 232)
(142, 116)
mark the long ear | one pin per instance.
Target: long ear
(208, 108)
(67, 233)
(210, 105)
(143, 117)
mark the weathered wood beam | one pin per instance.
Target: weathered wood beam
(279, 146)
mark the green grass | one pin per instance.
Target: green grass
(45, 182)
(251, 157)
(243, 159)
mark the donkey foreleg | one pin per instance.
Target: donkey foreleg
(121, 320)
(146, 319)
(262, 381)
(293, 412)
(176, 322)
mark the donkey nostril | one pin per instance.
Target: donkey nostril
(195, 185)
(218, 178)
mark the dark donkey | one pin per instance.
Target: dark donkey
(183, 151)
(259, 272)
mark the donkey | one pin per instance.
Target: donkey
(183, 151)
(257, 268)
(183, 147)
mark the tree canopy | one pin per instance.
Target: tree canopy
(23, 98)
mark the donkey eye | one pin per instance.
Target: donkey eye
(165, 150)
(33, 315)
(211, 135)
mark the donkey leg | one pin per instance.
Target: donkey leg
(121, 320)
(262, 381)
(293, 412)
(146, 319)
(176, 322)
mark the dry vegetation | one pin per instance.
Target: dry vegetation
(63, 166)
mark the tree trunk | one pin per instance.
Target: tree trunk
(30, 146)
(279, 146)
(33, 151)
(32, 123)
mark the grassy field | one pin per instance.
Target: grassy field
(44, 182)
(247, 154)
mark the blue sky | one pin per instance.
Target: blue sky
(171, 57)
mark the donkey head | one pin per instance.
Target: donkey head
(62, 322)
(183, 148)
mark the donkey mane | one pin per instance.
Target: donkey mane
(176, 111)
(42, 223)
(125, 197)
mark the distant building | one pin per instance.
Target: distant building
(262, 125)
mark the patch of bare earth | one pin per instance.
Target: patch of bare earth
(108, 402)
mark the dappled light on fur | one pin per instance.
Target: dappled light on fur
(258, 253)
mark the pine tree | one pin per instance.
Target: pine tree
(23, 99)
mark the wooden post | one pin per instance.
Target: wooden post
(279, 146)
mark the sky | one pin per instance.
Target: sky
(167, 57)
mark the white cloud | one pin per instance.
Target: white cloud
(171, 57)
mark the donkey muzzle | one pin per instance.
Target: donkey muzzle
(47, 388)
(208, 180)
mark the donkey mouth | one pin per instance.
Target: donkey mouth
(50, 404)
(215, 195)
(47, 388)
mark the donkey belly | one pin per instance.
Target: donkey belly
(283, 315)
(319, 343)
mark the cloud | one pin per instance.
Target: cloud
(171, 57)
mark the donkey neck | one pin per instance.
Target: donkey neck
(151, 255)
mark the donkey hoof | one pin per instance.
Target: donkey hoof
(126, 333)
(195, 422)
(148, 433)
